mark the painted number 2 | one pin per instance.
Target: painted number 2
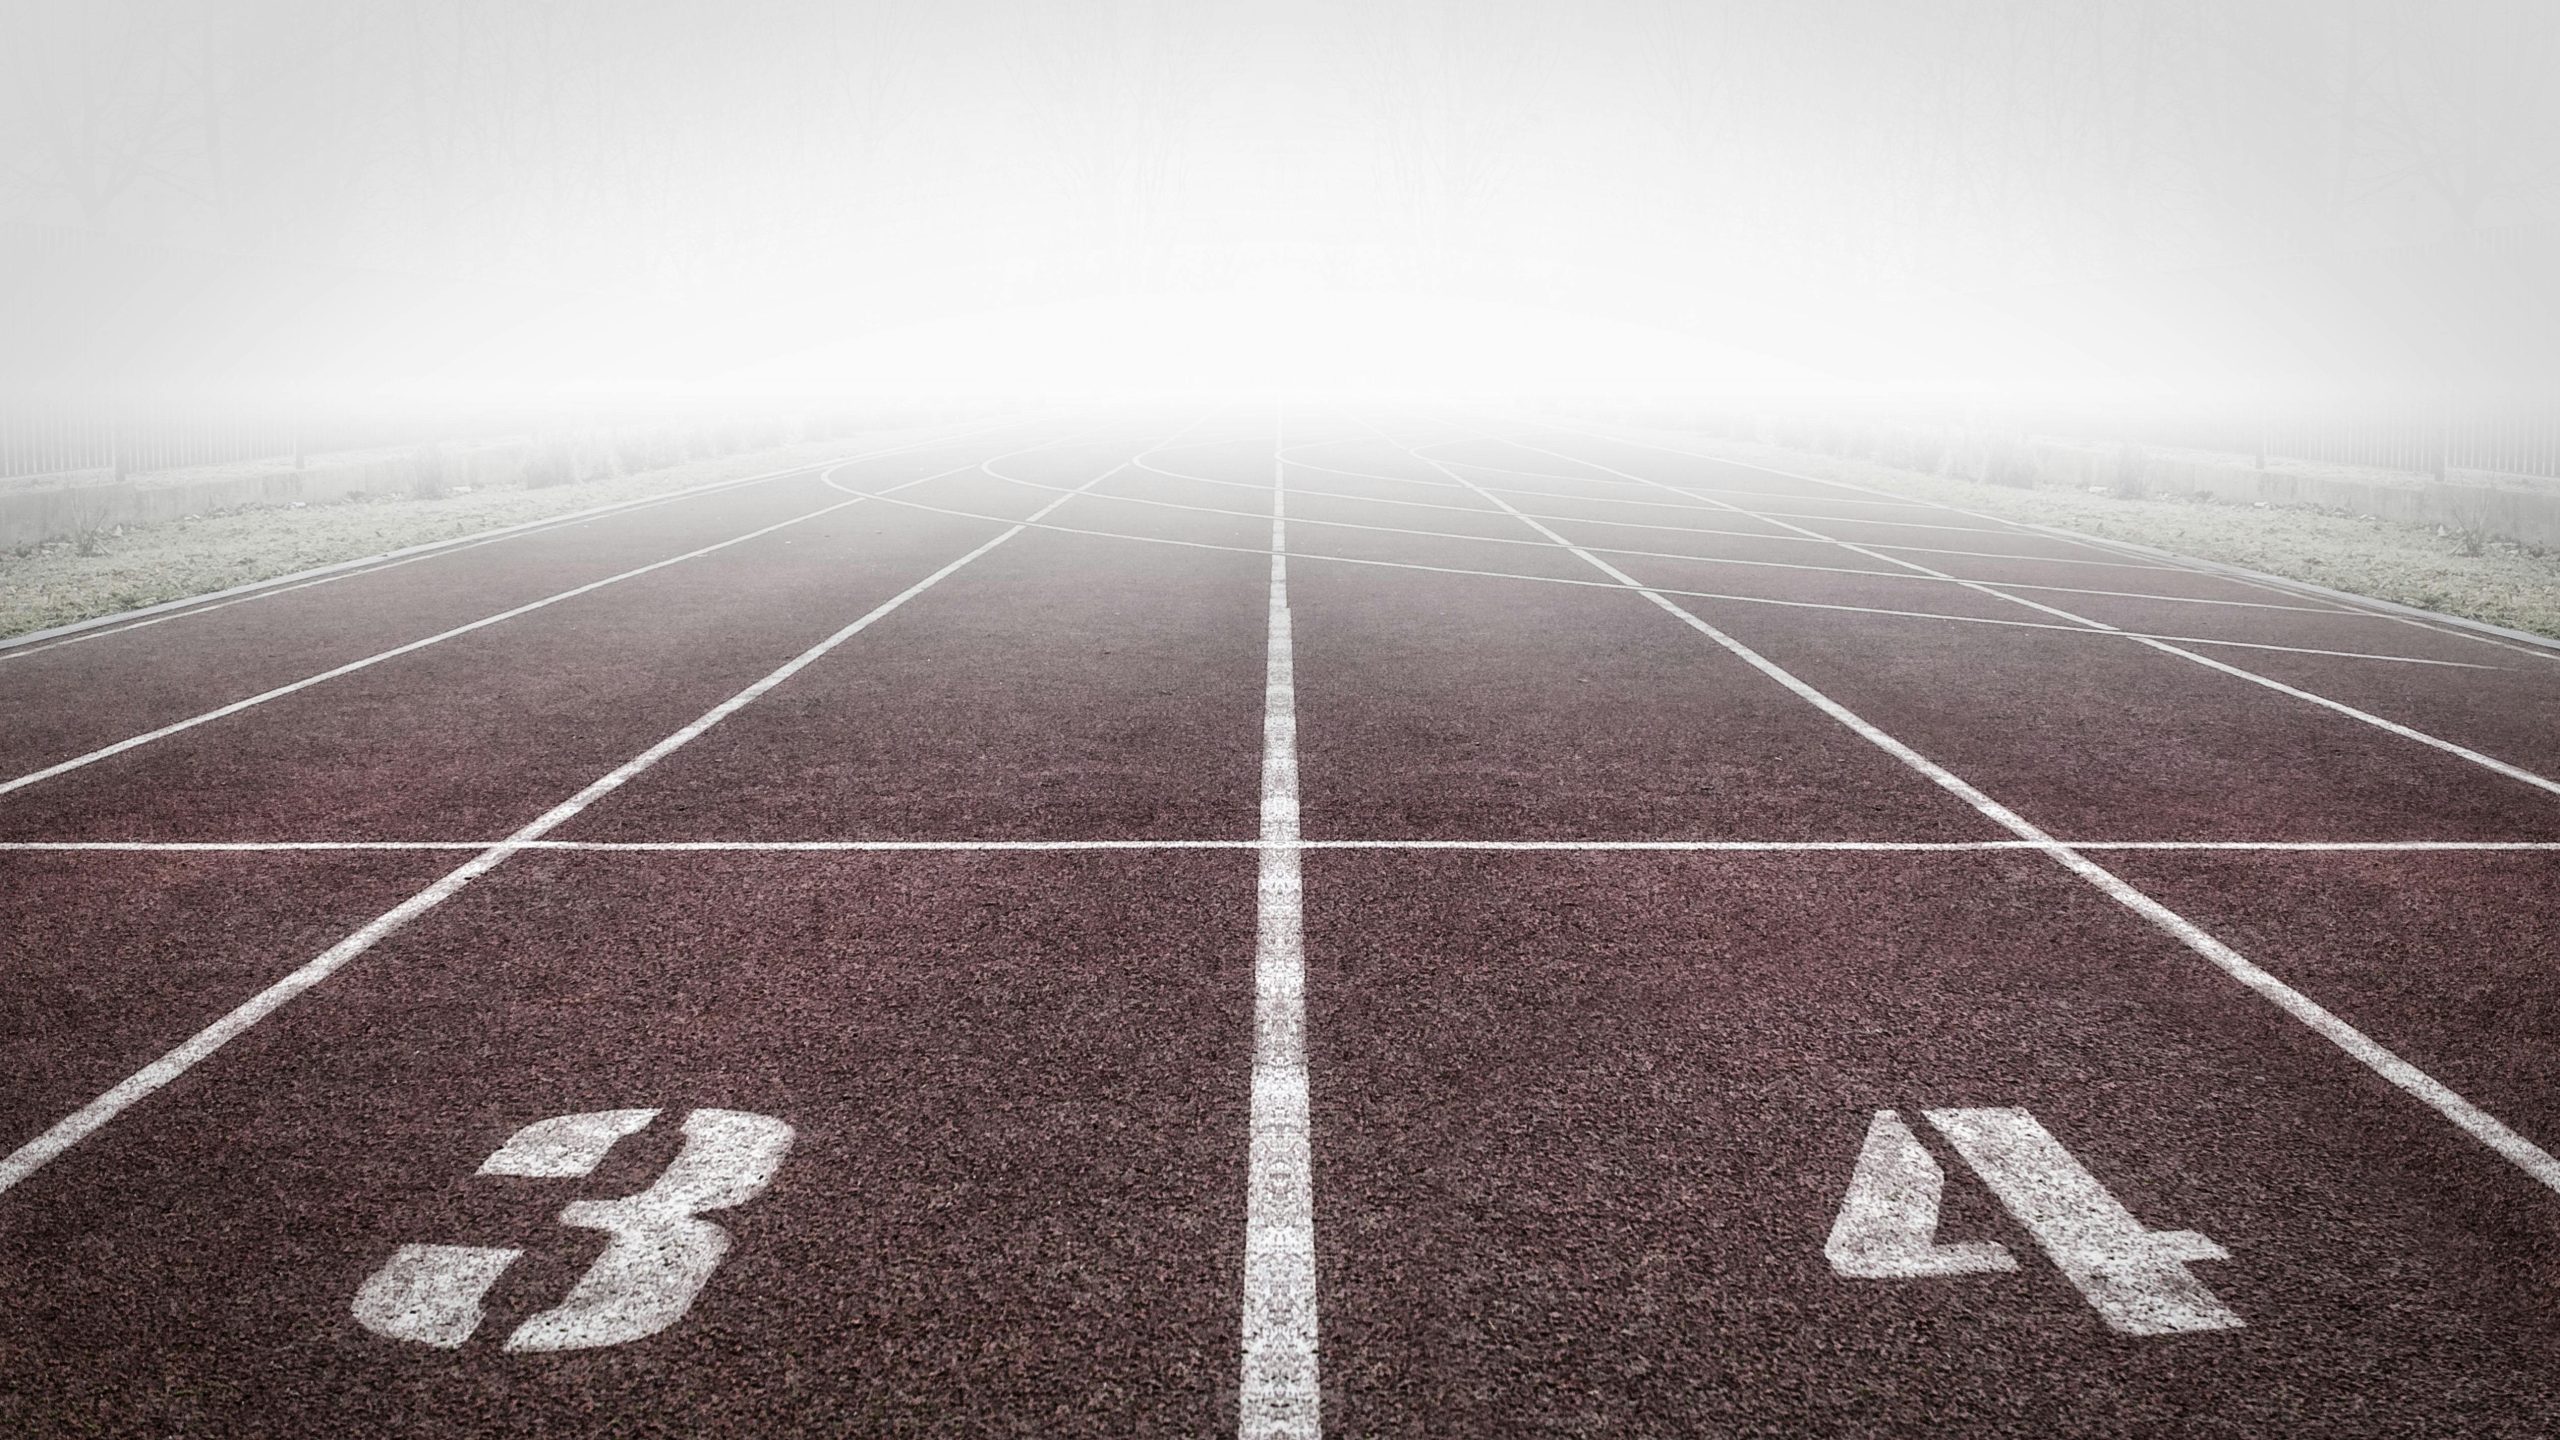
(660, 1256)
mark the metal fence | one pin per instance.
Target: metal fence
(73, 442)
(69, 443)
(2521, 440)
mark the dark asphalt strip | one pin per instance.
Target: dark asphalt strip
(188, 607)
(2516, 1148)
(1582, 1125)
(1104, 691)
(138, 679)
(456, 739)
(1562, 713)
(2225, 667)
(138, 682)
(1583, 1122)
(806, 512)
(1010, 1205)
(106, 960)
(465, 738)
(2111, 741)
(2445, 957)
(36, 1153)
(2539, 649)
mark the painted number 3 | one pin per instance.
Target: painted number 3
(660, 1255)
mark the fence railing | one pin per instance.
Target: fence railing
(2519, 440)
(75, 443)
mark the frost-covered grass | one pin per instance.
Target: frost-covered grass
(74, 579)
(2502, 583)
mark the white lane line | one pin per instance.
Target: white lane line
(2532, 1159)
(1996, 527)
(2175, 645)
(1286, 456)
(219, 712)
(1715, 505)
(187, 607)
(1701, 594)
(1374, 475)
(2345, 603)
(85, 1121)
(1904, 573)
(1886, 497)
(790, 847)
(1278, 1398)
(1302, 492)
(1707, 494)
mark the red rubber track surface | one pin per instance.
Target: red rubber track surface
(1581, 1118)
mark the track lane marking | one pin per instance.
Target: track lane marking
(187, 607)
(2525, 1155)
(1757, 514)
(787, 847)
(1351, 495)
(32, 1156)
(1712, 504)
(1917, 577)
(1367, 475)
(2174, 645)
(1885, 496)
(1278, 1396)
(2347, 603)
(1699, 594)
(293, 687)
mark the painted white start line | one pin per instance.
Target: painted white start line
(661, 1254)
(2136, 1279)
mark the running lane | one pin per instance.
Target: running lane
(1074, 684)
(1586, 1123)
(457, 745)
(471, 737)
(1007, 1203)
(1679, 1060)
(2103, 737)
(64, 698)
(1014, 1083)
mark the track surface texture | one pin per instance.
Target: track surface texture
(1280, 925)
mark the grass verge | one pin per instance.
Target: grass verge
(2455, 574)
(103, 573)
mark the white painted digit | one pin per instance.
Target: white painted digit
(565, 1147)
(2136, 1279)
(1888, 1225)
(430, 1293)
(660, 1256)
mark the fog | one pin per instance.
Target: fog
(504, 199)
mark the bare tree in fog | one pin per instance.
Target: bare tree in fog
(1110, 91)
(1454, 86)
(95, 100)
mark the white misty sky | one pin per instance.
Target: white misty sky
(1728, 169)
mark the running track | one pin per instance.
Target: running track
(1284, 925)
